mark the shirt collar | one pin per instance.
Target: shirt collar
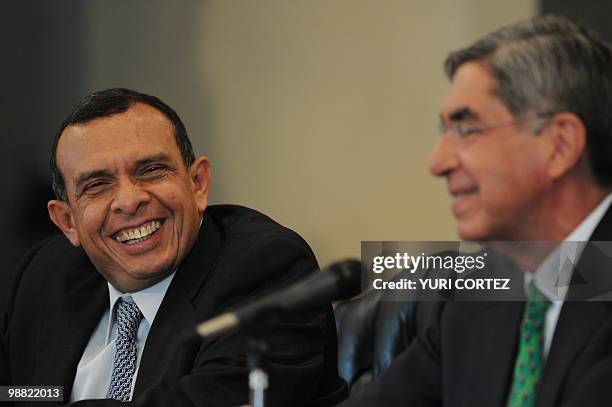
(148, 300)
(553, 276)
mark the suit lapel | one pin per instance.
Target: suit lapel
(576, 325)
(592, 276)
(579, 318)
(603, 231)
(492, 350)
(64, 335)
(177, 312)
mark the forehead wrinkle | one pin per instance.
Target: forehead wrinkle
(132, 163)
(144, 117)
(100, 155)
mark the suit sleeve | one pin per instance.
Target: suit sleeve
(301, 348)
(5, 375)
(414, 378)
(5, 315)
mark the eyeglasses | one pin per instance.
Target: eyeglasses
(465, 130)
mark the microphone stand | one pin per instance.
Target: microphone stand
(340, 281)
(258, 377)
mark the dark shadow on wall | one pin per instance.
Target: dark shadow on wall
(41, 77)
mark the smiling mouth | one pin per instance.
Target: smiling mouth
(459, 191)
(463, 194)
(139, 234)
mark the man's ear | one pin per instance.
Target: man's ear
(567, 137)
(200, 173)
(60, 213)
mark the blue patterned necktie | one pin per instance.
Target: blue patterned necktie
(128, 318)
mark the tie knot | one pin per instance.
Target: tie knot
(537, 303)
(128, 318)
(535, 295)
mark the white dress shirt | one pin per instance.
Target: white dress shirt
(95, 368)
(557, 267)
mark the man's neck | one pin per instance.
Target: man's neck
(563, 214)
(567, 210)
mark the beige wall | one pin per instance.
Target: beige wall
(319, 113)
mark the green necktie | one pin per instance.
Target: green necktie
(530, 359)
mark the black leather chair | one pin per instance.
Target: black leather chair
(372, 329)
(378, 325)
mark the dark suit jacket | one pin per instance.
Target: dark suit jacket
(465, 354)
(58, 298)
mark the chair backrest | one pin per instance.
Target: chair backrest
(372, 329)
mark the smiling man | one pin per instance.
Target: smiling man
(131, 201)
(101, 310)
(495, 182)
(525, 147)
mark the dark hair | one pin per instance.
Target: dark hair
(550, 64)
(107, 103)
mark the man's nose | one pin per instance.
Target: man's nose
(129, 198)
(443, 157)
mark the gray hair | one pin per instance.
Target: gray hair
(547, 65)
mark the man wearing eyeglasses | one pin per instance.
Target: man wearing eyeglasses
(526, 151)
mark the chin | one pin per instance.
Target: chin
(472, 232)
(139, 281)
(149, 273)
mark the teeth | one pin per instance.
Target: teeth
(130, 242)
(139, 234)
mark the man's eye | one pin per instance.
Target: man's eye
(154, 169)
(467, 129)
(93, 186)
(153, 172)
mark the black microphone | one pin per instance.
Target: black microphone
(339, 281)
